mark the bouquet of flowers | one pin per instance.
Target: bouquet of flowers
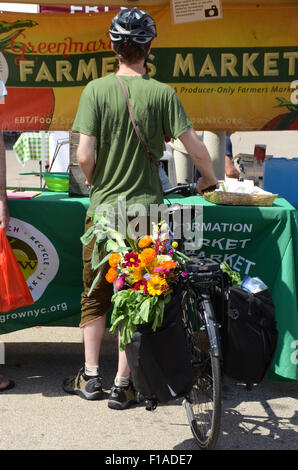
(143, 274)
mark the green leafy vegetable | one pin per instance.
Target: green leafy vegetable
(133, 308)
(234, 276)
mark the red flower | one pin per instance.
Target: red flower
(131, 259)
(140, 285)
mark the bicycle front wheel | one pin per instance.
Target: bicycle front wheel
(203, 403)
(203, 406)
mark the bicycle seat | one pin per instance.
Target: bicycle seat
(202, 265)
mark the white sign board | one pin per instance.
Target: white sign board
(186, 11)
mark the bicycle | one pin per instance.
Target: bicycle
(204, 281)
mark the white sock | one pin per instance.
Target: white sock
(91, 371)
(121, 381)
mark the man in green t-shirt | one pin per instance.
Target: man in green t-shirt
(118, 164)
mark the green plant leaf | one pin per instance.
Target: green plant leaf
(168, 297)
(144, 312)
(104, 259)
(94, 282)
(95, 256)
(88, 235)
(283, 102)
(133, 308)
(116, 323)
(182, 255)
(234, 276)
(111, 245)
(158, 315)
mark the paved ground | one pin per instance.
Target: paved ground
(38, 414)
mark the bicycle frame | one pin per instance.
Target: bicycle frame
(203, 276)
(211, 324)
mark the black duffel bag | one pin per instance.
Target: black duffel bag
(159, 361)
(249, 335)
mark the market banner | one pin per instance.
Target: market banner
(237, 72)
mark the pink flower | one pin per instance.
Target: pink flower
(184, 274)
(118, 283)
(158, 270)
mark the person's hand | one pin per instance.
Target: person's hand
(203, 183)
(4, 215)
(230, 170)
(233, 173)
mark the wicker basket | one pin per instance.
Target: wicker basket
(240, 199)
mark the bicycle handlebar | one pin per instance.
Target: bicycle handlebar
(184, 189)
(188, 189)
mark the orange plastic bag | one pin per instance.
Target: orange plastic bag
(14, 292)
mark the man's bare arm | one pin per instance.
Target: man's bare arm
(201, 159)
(86, 156)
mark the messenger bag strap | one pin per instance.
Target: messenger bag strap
(134, 124)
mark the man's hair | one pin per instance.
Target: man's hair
(130, 54)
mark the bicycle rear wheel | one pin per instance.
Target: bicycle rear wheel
(203, 402)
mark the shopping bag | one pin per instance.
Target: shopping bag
(14, 292)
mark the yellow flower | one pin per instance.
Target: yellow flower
(174, 244)
(137, 273)
(157, 285)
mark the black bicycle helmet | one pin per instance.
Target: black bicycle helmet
(132, 26)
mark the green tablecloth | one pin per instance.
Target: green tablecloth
(259, 241)
(262, 242)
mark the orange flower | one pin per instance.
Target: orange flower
(145, 241)
(111, 275)
(114, 259)
(147, 255)
(168, 264)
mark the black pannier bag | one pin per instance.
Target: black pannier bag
(160, 361)
(249, 335)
